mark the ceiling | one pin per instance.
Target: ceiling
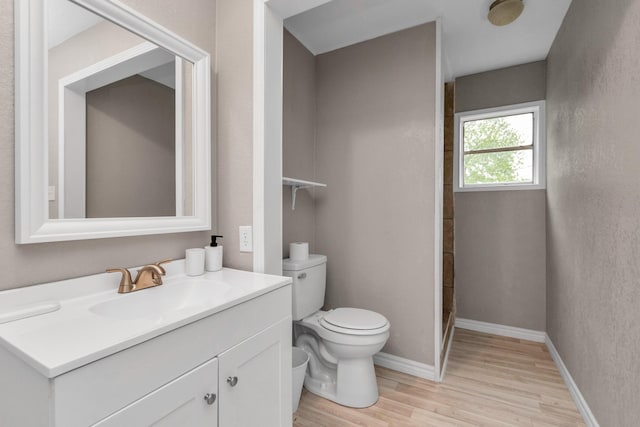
(470, 43)
(65, 20)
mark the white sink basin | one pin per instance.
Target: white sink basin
(57, 327)
(157, 303)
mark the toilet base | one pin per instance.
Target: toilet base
(340, 364)
(353, 384)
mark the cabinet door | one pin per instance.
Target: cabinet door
(180, 403)
(255, 380)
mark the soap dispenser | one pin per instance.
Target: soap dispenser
(213, 255)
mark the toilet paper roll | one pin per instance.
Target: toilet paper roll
(298, 251)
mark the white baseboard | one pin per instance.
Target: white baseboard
(406, 366)
(502, 330)
(578, 398)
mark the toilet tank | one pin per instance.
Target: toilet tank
(309, 283)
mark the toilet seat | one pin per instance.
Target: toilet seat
(354, 321)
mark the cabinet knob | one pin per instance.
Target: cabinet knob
(232, 381)
(210, 398)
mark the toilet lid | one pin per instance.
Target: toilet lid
(355, 318)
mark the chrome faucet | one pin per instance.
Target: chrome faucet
(148, 276)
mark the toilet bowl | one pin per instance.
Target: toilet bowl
(342, 369)
(341, 342)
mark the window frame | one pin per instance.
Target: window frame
(539, 149)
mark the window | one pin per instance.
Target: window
(500, 148)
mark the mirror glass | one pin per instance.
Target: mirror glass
(113, 124)
(119, 121)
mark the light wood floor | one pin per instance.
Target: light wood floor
(489, 381)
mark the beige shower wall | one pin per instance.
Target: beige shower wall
(375, 151)
(593, 204)
(298, 141)
(194, 20)
(500, 235)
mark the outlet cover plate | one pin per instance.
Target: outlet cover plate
(246, 238)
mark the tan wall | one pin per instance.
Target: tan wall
(500, 235)
(131, 160)
(593, 295)
(511, 85)
(500, 257)
(194, 20)
(375, 151)
(298, 141)
(234, 123)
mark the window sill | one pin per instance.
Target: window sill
(505, 187)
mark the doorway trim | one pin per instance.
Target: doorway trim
(438, 202)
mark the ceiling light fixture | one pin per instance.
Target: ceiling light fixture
(504, 12)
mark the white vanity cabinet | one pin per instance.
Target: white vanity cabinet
(251, 380)
(188, 401)
(241, 387)
(239, 353)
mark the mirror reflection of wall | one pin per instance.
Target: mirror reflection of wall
(130, 149)
(120, 124)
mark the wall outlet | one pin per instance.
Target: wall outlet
(246, 238)
(52, 193)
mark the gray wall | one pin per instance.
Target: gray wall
(375, 151)
(593, 221)
(511, 85)
(500, 262)
(131, 153)
(298, 141)
(500, 235)
(194, 20)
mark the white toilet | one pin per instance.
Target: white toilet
(341, 342)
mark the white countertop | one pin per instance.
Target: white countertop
(80, 332)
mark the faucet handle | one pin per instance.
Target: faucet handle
(156, 273)
(164, 261)
(126, 284)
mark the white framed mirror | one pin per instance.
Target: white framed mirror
(112, 124)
